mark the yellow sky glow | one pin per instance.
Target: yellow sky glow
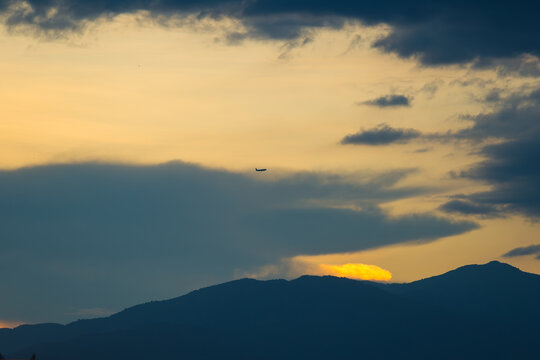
(9, 324)
(154, 94)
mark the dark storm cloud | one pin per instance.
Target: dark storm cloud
(436, 32)
(523, 251)
(388, 101)
(381, 135)
(96, 236)
(511, 165)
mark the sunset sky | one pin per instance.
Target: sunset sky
(400, 138)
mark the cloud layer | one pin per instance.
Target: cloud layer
(436, 32)
(87, 236)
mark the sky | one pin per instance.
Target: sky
(400, 141)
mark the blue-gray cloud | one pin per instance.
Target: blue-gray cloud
(528, 66)
(98, 236)
(435, 32)
(388, 101)
(524, 251)
(511, 165)
(381, 135)
(513, 171)
(513, 117)
(467, 207)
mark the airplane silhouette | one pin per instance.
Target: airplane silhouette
(260, 169)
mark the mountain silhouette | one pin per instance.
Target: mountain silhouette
(493, 290)
(474, 312)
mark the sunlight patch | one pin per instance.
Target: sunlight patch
(357, 271)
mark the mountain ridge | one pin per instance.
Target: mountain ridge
(313, 315)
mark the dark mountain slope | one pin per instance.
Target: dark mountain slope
(151, 341)
(313, 318)
(494, 290)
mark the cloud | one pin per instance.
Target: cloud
(513, 117)
(431, 88)
(525, 65)
(355, 42)
(467, 207)
(513, 172)
(511, 164)
(524, 251)
(435, 32)
(388, 101)
(381, 135)
(87, 236)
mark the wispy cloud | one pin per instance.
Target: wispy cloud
(467, 207)
(381, 135)
(524, 251)
(388, 101)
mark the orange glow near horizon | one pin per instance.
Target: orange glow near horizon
(357, 271)
(9, 324)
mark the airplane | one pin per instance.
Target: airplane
(260, 169)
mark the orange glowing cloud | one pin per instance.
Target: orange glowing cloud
(356, 271)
